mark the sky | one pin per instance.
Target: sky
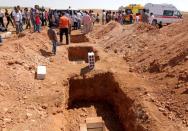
(91, 4)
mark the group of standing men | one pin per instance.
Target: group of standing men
(65, 22)
(30, 18)
(77, 19)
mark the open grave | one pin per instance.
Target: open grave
(78, 38)
(100, 95)
(80, 53)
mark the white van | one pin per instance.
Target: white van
(163, 13)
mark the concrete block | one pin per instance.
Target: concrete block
(91, 60)
(41, 72)
(8, 34)
(94, 122)
(83, 127)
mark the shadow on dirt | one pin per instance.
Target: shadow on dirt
(45, 53)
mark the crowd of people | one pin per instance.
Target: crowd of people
(37, 17)
(18, 18)
(126, 17)
(65, 20)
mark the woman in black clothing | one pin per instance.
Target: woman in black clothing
(9, 20)
(1, 19)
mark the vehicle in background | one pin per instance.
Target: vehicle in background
(163, 13)
(132, 10)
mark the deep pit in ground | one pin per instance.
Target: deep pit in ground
(79, 38)
(80, 53)
(101, 95)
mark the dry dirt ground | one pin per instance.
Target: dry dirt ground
(139, 82)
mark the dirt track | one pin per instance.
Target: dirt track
(139, 82)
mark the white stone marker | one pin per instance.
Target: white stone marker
(8, 34)
(83, 127)
(41, 72)
(94, 122)
(91, 60)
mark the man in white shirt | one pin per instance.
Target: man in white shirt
(17, 20)
(137, 18)
(92, 16)
(103, 17)
(86, 23)
(79, 15)
(151, 18)
(75, 20)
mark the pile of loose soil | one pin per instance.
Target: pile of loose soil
(159, 54)
(143, 27)
(105, 30)
(24, 101)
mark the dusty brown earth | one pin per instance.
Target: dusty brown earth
(139, 82)
(159, 55)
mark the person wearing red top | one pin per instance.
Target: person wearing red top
(37, 22)
(64, 24)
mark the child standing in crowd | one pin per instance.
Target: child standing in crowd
(53, 37)
(38, 22)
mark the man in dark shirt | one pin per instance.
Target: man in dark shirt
(9, 20)
(145, 17)
(53, 37)
(1, 18)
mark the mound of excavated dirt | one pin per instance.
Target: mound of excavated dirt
(162, 55)
(24, 101)
(32, 51)
(105, 30)
(150, 46)
(143, 27)
(129, 39)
